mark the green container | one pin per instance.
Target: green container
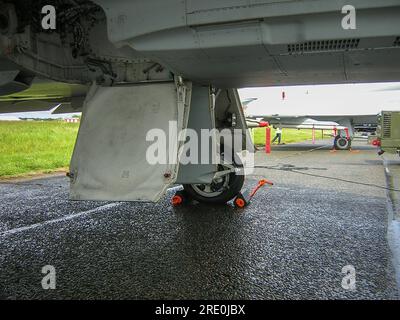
(389, 131)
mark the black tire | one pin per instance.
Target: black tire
(342, 143)
(234, 186)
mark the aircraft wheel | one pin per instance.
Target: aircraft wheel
(220, 191)
(342, 143)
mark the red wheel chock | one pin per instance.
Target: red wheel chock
(243, 199)
(179, 198)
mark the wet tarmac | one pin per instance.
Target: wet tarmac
(327, 210)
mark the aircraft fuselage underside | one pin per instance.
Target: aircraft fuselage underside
(231, 43)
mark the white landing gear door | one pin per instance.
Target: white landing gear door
(120, 139)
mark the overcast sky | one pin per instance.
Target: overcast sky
(323, 99)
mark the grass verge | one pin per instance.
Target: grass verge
(288, 135)
(31, 147)
(39, 147)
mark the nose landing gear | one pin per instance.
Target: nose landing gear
(221, 190)
(241, 199)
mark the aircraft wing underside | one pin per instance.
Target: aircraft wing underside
(228, 44)
(262, 43)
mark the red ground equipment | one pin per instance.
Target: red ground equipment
(179, 198)
(243, 199)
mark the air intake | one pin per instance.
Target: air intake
(387, 125)
(396, 42)
(324, 45)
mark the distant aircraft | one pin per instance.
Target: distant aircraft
(45, 95)
(36, 115)
(152, 63)
(343, 124)
(9, 118)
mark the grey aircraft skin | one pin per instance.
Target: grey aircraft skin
(230, 43)
(155, 61)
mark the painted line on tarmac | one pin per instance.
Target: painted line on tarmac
(62, 219)
(70, 216)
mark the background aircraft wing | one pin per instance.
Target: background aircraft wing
(354, 119)
(44, 95)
